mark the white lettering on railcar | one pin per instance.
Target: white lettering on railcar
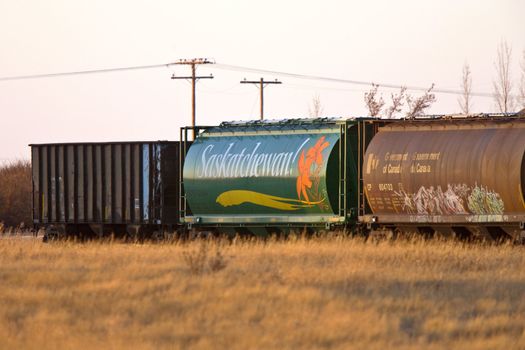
(246, 163)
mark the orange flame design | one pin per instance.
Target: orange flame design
(313, 155)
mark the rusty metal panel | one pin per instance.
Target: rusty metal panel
(135, 181)
(447, 167)
(52, 210)
(79, 176)
(71, 184)
(117, 183)
(111, 183)
(98, 184)
(107, 178)
(88, 159)
(442, 219)
(60, 185)
(108, 183)
(44, 184)
(127, 183)
(170, 183)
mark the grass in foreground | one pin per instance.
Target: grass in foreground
(321, 293)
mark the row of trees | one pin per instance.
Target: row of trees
(503, 85)
(376, 104)
(15, 195)
(507, 96)
(415, 105)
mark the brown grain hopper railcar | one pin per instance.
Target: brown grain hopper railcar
(454, 176)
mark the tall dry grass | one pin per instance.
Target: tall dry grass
(15, 194)
(326, 293)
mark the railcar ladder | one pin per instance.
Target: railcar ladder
(361, 148)
(183, 149)
(342, 171)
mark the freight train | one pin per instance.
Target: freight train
(453, 176)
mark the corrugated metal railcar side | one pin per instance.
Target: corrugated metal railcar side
(105, 187)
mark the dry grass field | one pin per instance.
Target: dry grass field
(328, 293)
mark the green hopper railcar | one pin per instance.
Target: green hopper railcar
(267, 177)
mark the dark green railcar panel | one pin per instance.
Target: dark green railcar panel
(359, 135)
(282, 174)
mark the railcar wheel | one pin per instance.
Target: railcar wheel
(52, 233)
(156, 236)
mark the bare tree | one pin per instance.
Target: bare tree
(466, 86)
(397, 103)
(374, 104)
(503, 82)
(416, 106)
(316, 109)
(522, 81)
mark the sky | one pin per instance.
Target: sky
(404, 42)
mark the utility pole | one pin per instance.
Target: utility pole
(193, 62)
(262, 84)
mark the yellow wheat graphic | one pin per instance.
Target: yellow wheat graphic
(237, 197)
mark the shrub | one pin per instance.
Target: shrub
(198, 259)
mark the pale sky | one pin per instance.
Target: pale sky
(413, 43)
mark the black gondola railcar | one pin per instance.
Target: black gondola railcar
(95, 189)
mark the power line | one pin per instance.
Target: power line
(344, 81)
(84, 72)
(247, 69)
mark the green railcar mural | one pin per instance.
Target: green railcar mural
(263, 175)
